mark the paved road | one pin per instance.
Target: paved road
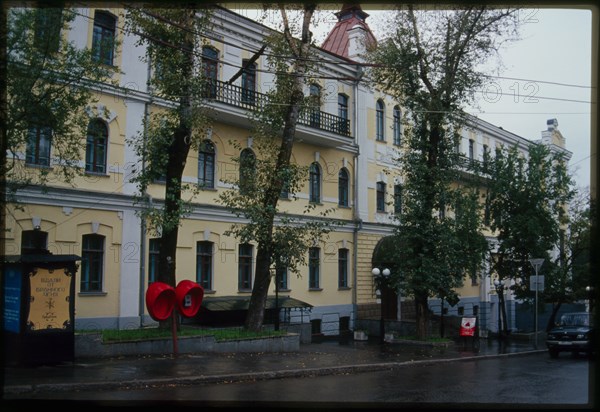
(532, 380)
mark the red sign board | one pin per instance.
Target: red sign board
(467, 326)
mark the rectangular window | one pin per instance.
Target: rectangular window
(486, 157)
(248, 82)
(92, 263)
(210, 63)
(380, 197)
(282, 275)
(314, 264)
(153, 254)
(397, 126)
(315, 105)
(343, 268)
(206, 165)
(471, 149)
(343, 113)
(245, 267)
(379, 121)
(397, 199)
(39, 141)
(95, 150)
(33, 241)
(204, 253)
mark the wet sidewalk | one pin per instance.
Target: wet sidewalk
(328, 357)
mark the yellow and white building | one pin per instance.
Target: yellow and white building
(350, 145)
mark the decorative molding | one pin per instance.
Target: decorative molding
(67, 210)
(36, 222)
(95, 227)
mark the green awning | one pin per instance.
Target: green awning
(222, 303)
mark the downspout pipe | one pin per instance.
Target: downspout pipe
(356, 214)
(143, 230)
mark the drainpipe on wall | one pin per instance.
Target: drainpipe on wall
(142, 303)
(357, 220)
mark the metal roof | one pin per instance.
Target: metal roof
(223, 303)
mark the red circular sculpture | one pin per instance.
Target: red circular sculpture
(160, 300)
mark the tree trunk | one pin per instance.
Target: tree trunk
(3, 127)
(504, 323)
(552, 319)
(260, 290)
(177, 155)
(422, 316)
(262, 279)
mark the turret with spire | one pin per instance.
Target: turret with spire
(351, 35)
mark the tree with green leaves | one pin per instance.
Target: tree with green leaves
(282, 239)
(50, 83)
(430, 62)
(172, 38)
(527, 202)
(571, 273)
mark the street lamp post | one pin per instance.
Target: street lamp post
(536, 263)
(380, 277)
(277, 298)
(499, 284)
(590, 298)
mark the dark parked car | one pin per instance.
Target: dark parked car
(574, 333)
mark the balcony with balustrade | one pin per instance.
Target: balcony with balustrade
(232, 104)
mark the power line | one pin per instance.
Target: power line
(339, 78)
(541, 81)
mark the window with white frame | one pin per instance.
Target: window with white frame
(92, 263)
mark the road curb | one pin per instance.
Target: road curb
(239, 377)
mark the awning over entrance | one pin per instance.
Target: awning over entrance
(223, 303)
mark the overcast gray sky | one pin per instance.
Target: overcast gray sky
(547, 75)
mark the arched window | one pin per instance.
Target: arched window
(343, 187)
(103, 41)
(210, 64)
(315, 183)
(247, 170)
(379, 121)
(206, 165)
(397, 124)
(95, 148)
